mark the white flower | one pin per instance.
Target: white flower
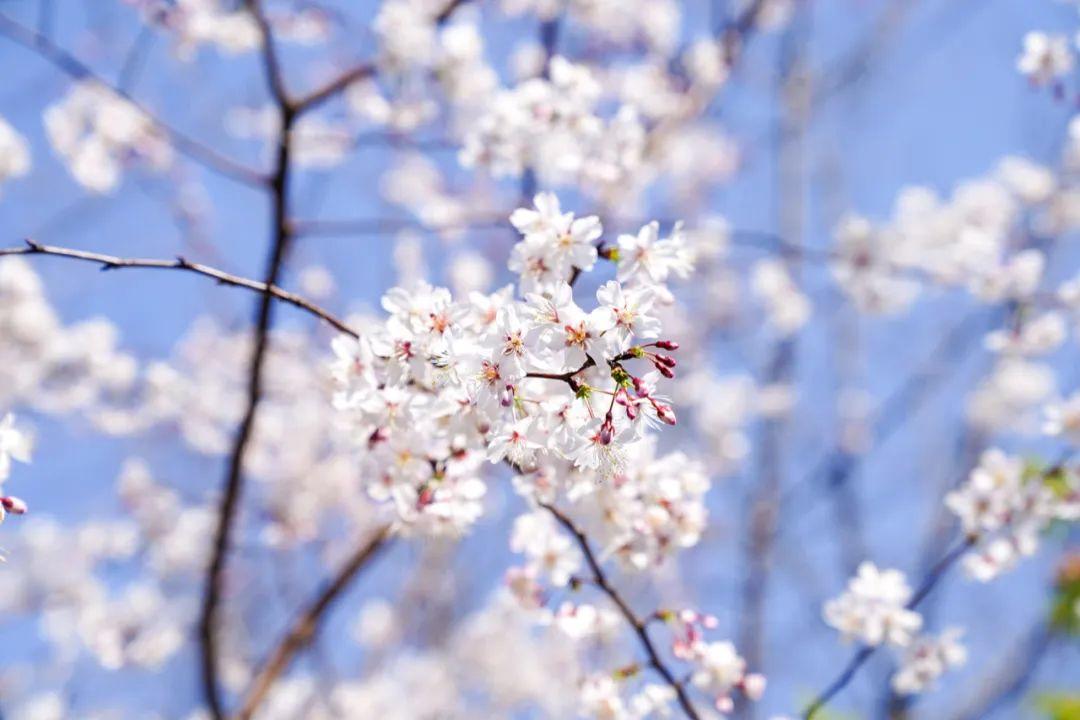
(97, 132)
(547, 548)
(600, 699)
(555, 244)
(627, 312)
(873, 608)
(645, 258)
(787, 307)
(926, 659)
(580, 622)
(1063, 419)
(516, 442)
(1005, 508)
(14, 153)
(14, 445)
(1045, 58)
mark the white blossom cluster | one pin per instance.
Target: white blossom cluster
(875, 610)
(14, 153)
(551, 125)
(1046, 58)
(539, 383)
(98, 133)
(560, 379)
(194, 23)
(1005, 505)
(46, 364)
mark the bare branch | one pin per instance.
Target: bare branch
(68, 63)
(360, 72)
(864, 653)
(112, 262)
(303, 629)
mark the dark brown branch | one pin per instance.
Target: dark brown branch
(281, 236)
(272, 65)
(69, 64)
(637, 624)
(864, 653)
(112, 262)
(303, 628)
(360, 72)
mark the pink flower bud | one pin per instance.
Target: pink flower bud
(665, 371)
(13, 505)
(666, 360)
(667, 344)
(607, 431)
(664, 412)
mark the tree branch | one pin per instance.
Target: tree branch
(69, 64)
(864, 653)
(304, 627)
(112, 262)
(638, 625)
(281, 236)
(360, 72)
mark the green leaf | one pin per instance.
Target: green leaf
(1059, 706)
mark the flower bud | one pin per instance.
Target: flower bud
(666, 360)
(607, 431)
(667, 344)
(13, 505)
(665, 413)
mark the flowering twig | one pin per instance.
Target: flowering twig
(864, 653)
(112, 262)
(637, 624)
(304, 627)
(68, 63)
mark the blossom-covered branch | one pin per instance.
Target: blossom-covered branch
(638, 625)
(305, 626)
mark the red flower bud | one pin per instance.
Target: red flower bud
(665, 413)
(13, 505)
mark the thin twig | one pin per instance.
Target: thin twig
(304, 627)
(1011, 678)
(68, 63)
(637, 624)
(112, 262)
(365, 70)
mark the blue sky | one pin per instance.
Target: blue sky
(941, 102)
